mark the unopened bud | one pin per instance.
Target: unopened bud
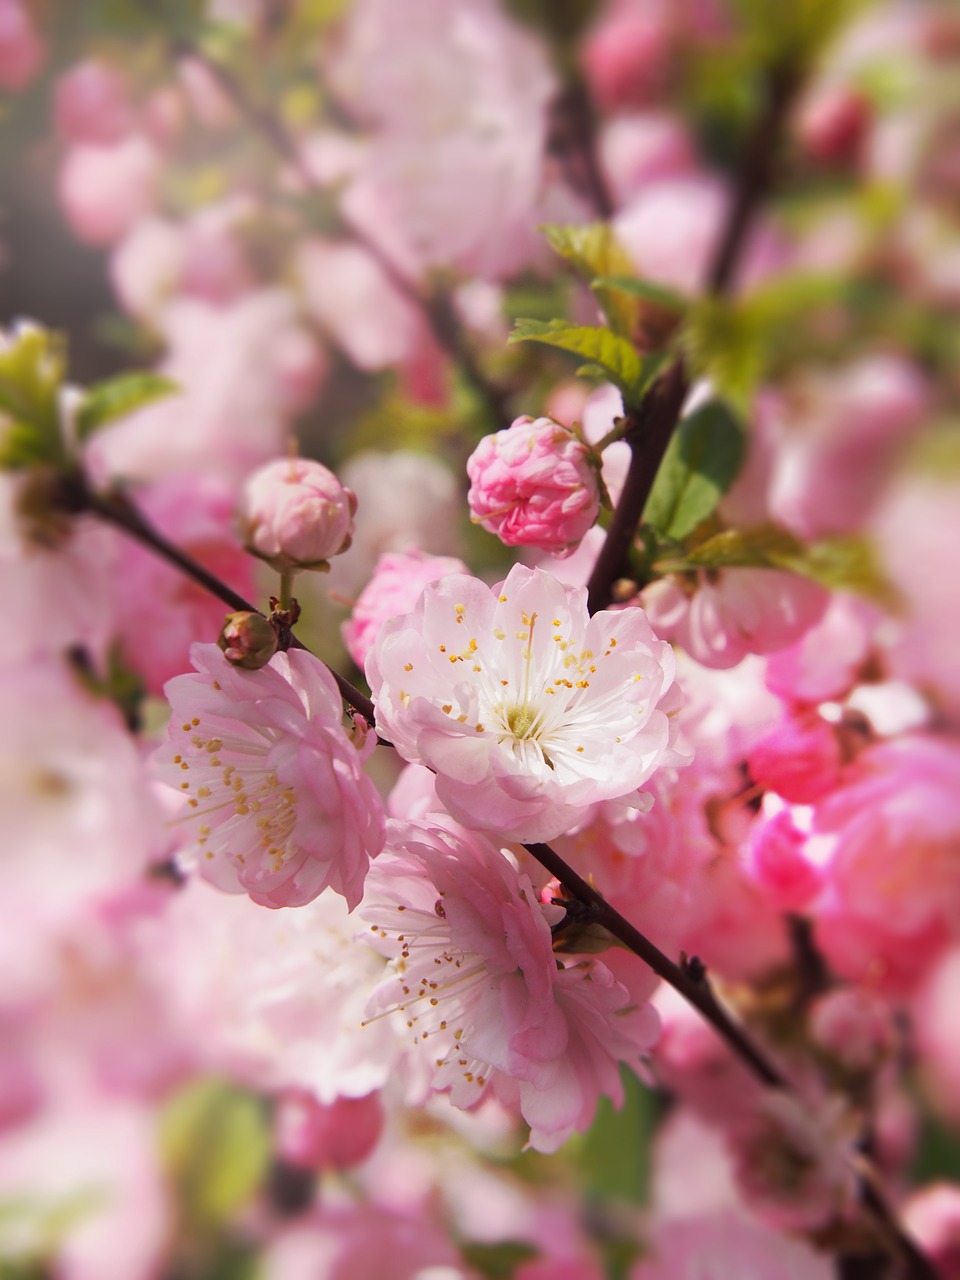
(295, 514)
(248, 640)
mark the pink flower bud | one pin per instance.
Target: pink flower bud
(833, 123)
(854, 1027)
(338, 1135)
(92, 104)
(398, 579)
(105, 189)
(248, 640)
(777, 859)
(534, 485)
(627, 60)
(21, 49)
(296, 514)
(799, 759)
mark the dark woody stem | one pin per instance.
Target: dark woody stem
(117, 510)
(689, 979)
(651, 424)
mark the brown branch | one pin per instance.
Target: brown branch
(653, 422)
(690, 981)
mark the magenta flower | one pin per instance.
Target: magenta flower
(275, 787)
(527, 709)
(478, 983)
(534, 485)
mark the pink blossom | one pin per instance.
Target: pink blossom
(937, 1034)
(272, 999)
(794, 1163)
(799, 759)
(21, 48)
(335, 1135)
(534, 485)
(833, 123)
(406, 501)
(478, 984)
(78, 571)
(398, 579)
(644, 147)
(671, 229)
(295, 514)
(106, 187)
(98, 1156)
(355, 302)
(650, 863)
(838, 441)
(361, 1242)
(628, 58)
(276, 793)
(202, 258)
(916, 529)
(728, 1244)
(458, 104)
(824, 662)
(518, 719)
(932, 1217)
(81, 823)
(727, 614)
(92, 104)
(163, 611)
(233, 410)
(854, 1027)
(894, 886)
(776, 858)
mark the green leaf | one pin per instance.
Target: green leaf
(592, 251)
(844, 564)
(644, 289)
(215, 1142)
(105, 402)
(614, 1155)
(841, 564)
(700, 464)
(32, 369)
(497, 1261)
(764, 547)
(612, 354)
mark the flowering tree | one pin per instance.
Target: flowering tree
(550, 865)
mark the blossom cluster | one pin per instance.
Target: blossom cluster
(567, 738)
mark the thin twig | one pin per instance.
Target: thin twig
(121, 513)
(653, 423)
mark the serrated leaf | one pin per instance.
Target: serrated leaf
(106, 402)
(592, 251)
(215, 1142)
(841, 564)
(613, 354)
(764, 547)
(32, 369)
(701, 462)
(644, 289)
